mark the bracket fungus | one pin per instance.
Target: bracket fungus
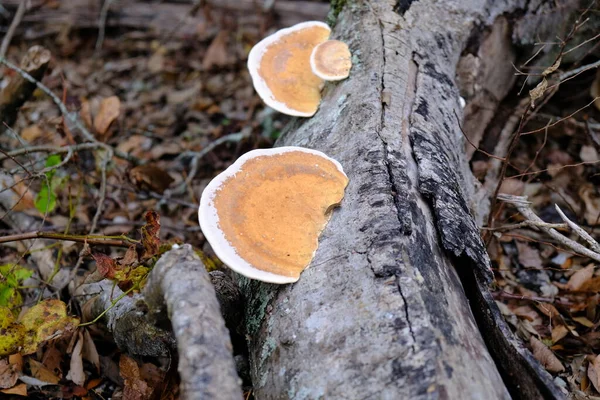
(263, 215)
(331, 60)
(280, 67)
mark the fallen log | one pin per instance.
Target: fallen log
(163, 17)
(384, 310)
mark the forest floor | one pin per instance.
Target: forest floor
(181, 106)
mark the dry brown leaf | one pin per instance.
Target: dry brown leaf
(135, 387)
(217, 54)
(41, 372)
(559, 332)
(31, 133)
(110, 109)
(528, 256)
(512, 186)
(137, 145)
(583, 321)
(592, 285)
(52, 359)
(579, 278)
(593, 372)
(86, 113)
(19, 390)
(90, 352)
(185, 95)
(9, 373)
(156, 62)
(545, 356)
(548, 310)
(590, 198)
(150, 177)
(76, 373)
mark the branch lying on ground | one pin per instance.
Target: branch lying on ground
(121, 241)
(180, 290)
(523, 206)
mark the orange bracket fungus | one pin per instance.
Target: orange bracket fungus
(263, 215)
(280, 68)
(331, 60)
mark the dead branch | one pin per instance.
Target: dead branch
(523, 206)
(98, 240)
(20, 89)
(178, 290)
(161, 17)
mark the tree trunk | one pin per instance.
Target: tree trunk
(381, 312)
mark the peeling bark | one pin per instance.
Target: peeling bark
(381, 312)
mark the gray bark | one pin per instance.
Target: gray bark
(381, 313)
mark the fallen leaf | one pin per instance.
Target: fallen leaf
(559, 332)
(548, 310)
(9, 373)
(545, 356)
(76, 373)
(31, 133)
(135, 388)
(587, 193)
(593, 372)
(41, 372)
(528, 256)
(19, 390)
(44, 321)
(52, 359)
(13, 333)
(110, 109)
(150, 235)
(105, 265)
(583, 321)
(185, 95)
(580, 277)
(150, 177)
(90, 353)
(217, 54)
(86, 113)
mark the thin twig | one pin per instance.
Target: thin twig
(579, 230)
(90, 239)
(198, 155)
(102, 24)
(13, 27)
(523, 206)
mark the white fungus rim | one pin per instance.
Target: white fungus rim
(315, 70)
(256, 55)
(209, 219)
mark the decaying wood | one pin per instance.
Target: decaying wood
(178, 290)
(19, 90)
(381, 312)
(162, 17)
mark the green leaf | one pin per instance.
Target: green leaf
(45, 201)
(53, 160)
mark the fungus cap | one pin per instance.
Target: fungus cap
(280, 68)
(263, 215)
(331, 60)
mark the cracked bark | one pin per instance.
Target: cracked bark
(381, 312)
